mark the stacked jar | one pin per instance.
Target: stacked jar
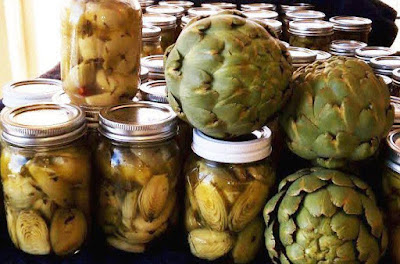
(284, 9)
(167, 24)
(311, 34)
(151, 41)
(227, 184)
(351, 28)
(46, 176)
(345, 47)
(368, 53)
(175, 11)
(138, 161)
(258, 6)
(100, 51)
(301, 57)
(155, 65)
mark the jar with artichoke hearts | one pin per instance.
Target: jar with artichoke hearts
(345, 47)
(385, 65)
(351, 28)
(311, 34)
(155, 65)
(258, 6)
(202, 11)
(101, 43)
(151, 41)
(167, 24)
(395, 83)
(186, 5)
(46, 176)
(227, 184)
(138, 160)
(220, 5)
(301, 56)
(368, 53)
(175, 11)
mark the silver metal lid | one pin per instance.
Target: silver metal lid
(151, 33)
(274, 24)
(144, 74)
(385, 64)
(154, 63)
(261, 14)
(393, 153)
(185, 20)
(219, 5)
(155, 91)
(351, 23)
(396, 75)
(346, 47)
(368, 53)
(138, 122)
(175, 11)
(302, 55)
(43, 125)
(388, 81)
(304, 14)
(160, 20)
(184, 4)
(322, 55)
(30, 92)
(258, 6)
(296, 6)
(202, 11)
(311, 28)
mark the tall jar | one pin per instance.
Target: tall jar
(155, 65)
(311, 34)
(100, 50)
(167, 24)
(175, 11)
(46, 175)
(151, 41)
(345, 48)
(351, 28)
(227, 184)
(138, 160)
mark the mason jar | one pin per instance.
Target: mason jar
(385, 65)
(261, 14)
(351, 28)
(311, 34)
(166, 23)
(395, 88)
(284, 9)
(220, 5)
(186, 5)
(301, 57)
(100, 48)
(144, 75)
(322, 55)
(151, 41)
(138, 161)
(155, 65)
(202, 11)
(144, 4)
(227, 185)
(368, 53)
(275, 25)
(175, 11)
(46, 177)
(298, 15)
(258, 6)
(345, 47)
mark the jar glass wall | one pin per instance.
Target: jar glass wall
(351, 28)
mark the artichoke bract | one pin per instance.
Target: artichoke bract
(226, 75)
(324, 216)
(339, 112)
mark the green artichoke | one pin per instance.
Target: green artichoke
(226, 75)
(339, 112)
(324, 216)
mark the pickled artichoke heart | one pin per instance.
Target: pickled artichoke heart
(11, 217)
(129, 208)
(391, 191)
(109, 207)
(82, 200)
(20, 192)
(248, 205)
(248, 242)
(32, 233)
(324, 216)
(227, 75)
(339, 112)
(208, 244)
(52, 185)
(45, 207)
(125, 246)
(153, 197)
(191, 221)
(80, 76)
(212, 207)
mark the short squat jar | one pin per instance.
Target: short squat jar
(151, 41)
(46, 176)
(311, 34)
(227, 185)
(351, 28)
(167, 24)
(138, 160)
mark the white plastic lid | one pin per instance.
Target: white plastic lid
(30, 92)
(235, 152)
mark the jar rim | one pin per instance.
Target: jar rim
(159, 20)
(351, 23)
(172, 10)
(202, 11)
(150, 91)
(347, 47)
(154, 63)
(261, 14)
(258, 6)
(219, 5)
(305, 14)
(386, 63)
(302, 55)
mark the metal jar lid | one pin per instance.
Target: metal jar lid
(258, 6)
(387, 80)
(252, 148)
(261, 14)
(304, 14)
(144, 74)
(368, 53)
(184, 4)
(274, 24)
(345, 47)
(302, 55)
(43, 125)
(138, 122)
(185, 20)
(219, 5)
(61, 98)
(311, 28)
(150, 33)
(175, 11)
(30, 92)
(155, 65)
(351, 23)
(284, 43)
(396, 76)
(160, 20)
(322, 55)
(155, 91)
(202, 11)
(393, 150)
(385, 64)
(296, 6)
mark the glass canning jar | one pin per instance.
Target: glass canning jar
(227, 185)
(351, 28)
(311, 34)
(368, 53)
(345, 47)
(261, 14)
(175, 11)
(138, 160)
(288, 9)
(184, 4)
(155, 65)
(202, 11)
(46, 177)
(385, 64)
(396, 83)
(301, 57)
(220, 5)
(258, 6)
(166, 23)
(101, 43)
(151, 41)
